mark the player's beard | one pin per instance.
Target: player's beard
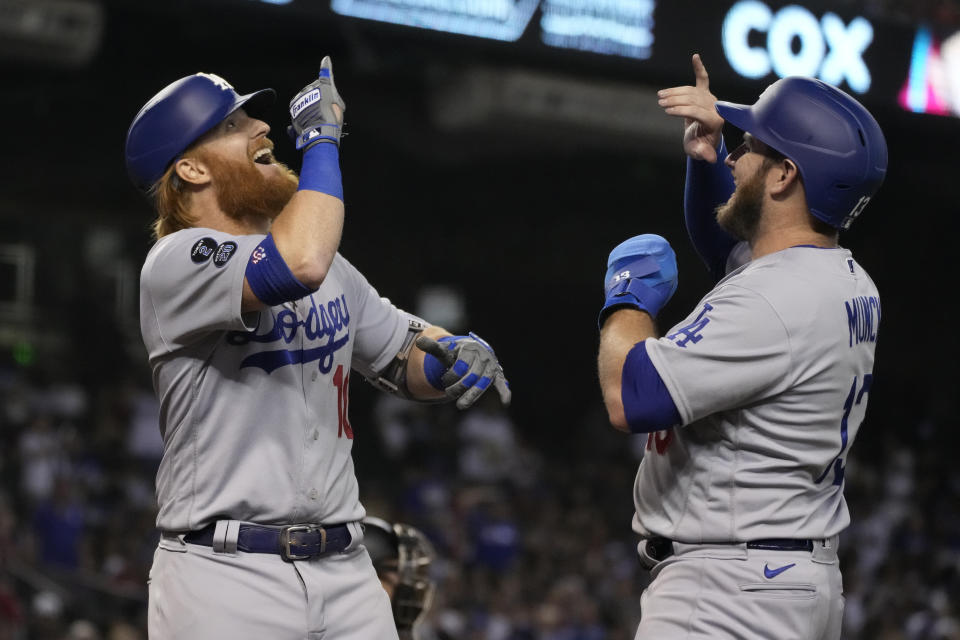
(243, 192)
(740, 215)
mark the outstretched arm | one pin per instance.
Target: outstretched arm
(460, 368)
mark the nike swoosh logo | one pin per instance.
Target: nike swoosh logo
(773, 573)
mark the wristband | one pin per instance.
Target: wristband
(631, 293)
(321, 170)
(270, 278)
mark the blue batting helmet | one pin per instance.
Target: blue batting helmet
(174, 118)
(834, 141)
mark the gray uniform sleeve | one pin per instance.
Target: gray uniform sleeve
(191, 284)
(732, 351)
(379, 325)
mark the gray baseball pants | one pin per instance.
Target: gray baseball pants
(725, 592)
(197, 594)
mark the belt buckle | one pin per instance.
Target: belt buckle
(296, 528)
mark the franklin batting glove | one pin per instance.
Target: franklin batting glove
(312, 111)
(463, 367)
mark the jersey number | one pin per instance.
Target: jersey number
(660, 439)
(342, 382)
(853, 399)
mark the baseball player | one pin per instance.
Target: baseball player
(254, 323)
(401, 555)
(751, 403)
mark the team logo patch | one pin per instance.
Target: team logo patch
(203, 249)
(224, 252)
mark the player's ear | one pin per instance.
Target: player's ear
(192, 170)
(783, 176)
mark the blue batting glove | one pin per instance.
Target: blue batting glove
(641, 273)
(463, 367)
(312, 116)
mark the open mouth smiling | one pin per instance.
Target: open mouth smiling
(263, 156)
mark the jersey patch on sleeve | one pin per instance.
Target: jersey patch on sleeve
(202, 250)
(224, 252)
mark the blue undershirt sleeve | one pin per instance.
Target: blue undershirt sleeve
(646, 401)
(706, 187)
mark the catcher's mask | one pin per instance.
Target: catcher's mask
(405, 551)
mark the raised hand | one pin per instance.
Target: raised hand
(703, 126)
(316, 112)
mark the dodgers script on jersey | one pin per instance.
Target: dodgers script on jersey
(770, 375)
(263, 394)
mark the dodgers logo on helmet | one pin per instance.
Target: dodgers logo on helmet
(217, 80)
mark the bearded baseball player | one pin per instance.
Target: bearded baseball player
(752, 402)
(254, 323)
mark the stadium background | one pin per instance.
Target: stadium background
(486, 181)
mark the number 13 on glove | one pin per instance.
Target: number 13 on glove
(463, 367)
(641, 273)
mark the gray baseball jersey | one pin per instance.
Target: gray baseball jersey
(253, 407)
(770, 375)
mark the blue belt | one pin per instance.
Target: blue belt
(662, 548)
(781, 544)
(292, 542)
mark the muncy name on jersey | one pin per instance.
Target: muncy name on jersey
(863, 319)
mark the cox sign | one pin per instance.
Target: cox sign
(827, 48)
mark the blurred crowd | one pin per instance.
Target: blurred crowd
(532, 531)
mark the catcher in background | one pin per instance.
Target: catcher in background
(402, 556)
(751, 403)
(254, 323)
